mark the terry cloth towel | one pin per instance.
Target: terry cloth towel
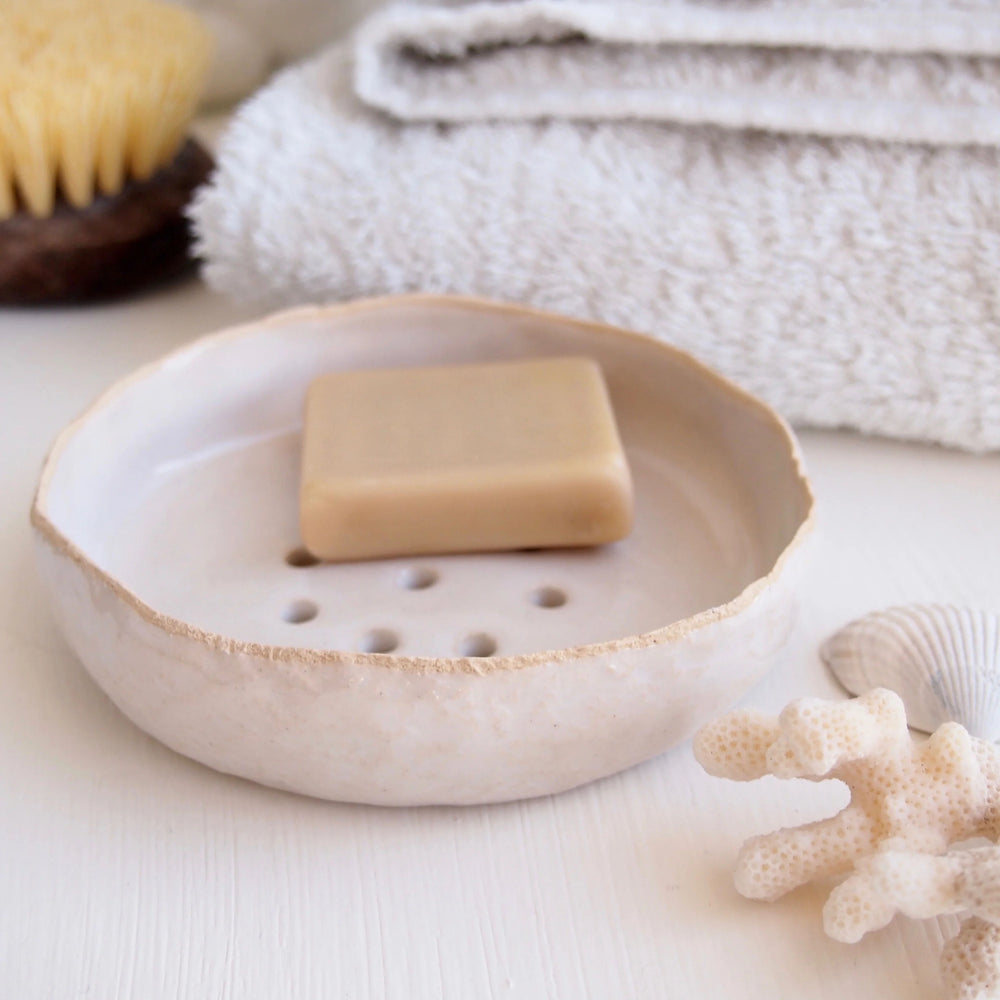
(849, 282)
(912, 70)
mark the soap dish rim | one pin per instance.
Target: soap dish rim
(305, 655)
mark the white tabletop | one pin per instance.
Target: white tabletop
(128, 871)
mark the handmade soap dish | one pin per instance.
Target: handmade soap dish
(166, 520)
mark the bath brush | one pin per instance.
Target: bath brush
(95, 163)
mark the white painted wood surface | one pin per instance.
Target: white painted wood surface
(127, 871)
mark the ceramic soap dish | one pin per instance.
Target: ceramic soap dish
(166, 518)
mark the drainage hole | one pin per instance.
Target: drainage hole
(379, 640)
(300, 611)
(418, 578)
(478, 644)
(548, 597)
(301, 558)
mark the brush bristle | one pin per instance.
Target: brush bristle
(93, 93)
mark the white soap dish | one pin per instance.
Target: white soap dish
(166, 520)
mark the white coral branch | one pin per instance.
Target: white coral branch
(924, 886)
(921, 796)
(890, 882)
(909, 802)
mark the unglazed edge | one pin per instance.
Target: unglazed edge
(305, 656)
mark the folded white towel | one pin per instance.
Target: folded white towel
(848, 282)
(914, 70)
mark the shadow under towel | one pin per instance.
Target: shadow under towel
(849, 282)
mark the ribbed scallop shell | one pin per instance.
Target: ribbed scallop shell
(943, 661)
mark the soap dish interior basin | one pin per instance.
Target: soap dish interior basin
(166, 518)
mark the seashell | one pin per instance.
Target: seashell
(943, 661)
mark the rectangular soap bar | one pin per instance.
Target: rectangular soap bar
(460, 458)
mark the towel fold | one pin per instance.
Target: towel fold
(850, 283)
(905, 70)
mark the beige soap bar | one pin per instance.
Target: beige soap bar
(461, 458)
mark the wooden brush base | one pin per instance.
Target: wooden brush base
(115, 246)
